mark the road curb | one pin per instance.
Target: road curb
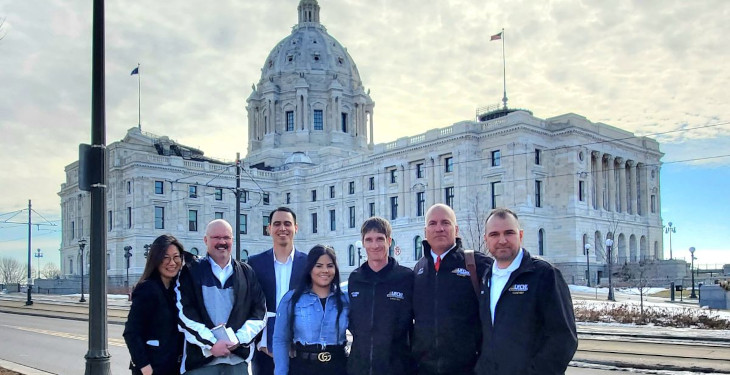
(57, 316)
(620, 366)
(12, 366)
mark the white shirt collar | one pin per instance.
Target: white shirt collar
(442, 255)
(289, 258)
(511, 268)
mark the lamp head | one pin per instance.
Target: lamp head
(609, 242)
(588, 246)
(358, 244)
(692, 250)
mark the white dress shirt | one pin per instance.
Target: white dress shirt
(499, 279)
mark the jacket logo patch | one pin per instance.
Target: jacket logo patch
(420, 271)
(354, 294)
(518, 289)
(396, 296)
(461, 272)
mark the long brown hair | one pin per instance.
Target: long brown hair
(156, 255)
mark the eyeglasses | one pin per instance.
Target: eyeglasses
(221, 238)
(177, 259)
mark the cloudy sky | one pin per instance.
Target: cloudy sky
(656, 68)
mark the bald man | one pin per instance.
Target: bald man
(218, 290)
(447, 331)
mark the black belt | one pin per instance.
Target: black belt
(317, 353)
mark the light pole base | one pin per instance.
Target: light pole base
(82, 299)
(99, 363)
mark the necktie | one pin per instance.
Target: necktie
(438, 263)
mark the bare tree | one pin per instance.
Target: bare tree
(50, 271)
(12, 271)
(636, 275)
(473, 234)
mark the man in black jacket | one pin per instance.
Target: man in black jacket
(381, 312)
(526, 311)
(218, 290)
(447, 334)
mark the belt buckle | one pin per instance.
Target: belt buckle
(324, 356)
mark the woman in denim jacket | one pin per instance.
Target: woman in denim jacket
(311, 321)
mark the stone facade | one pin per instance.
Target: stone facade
(310, 124)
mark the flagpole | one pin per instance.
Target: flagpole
(139, 98)
(504, 72)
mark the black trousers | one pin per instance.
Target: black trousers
(329, 361)
(262, 364)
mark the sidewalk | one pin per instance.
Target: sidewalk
(63, 306)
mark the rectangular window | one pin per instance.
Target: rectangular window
(371, 183)
(218, 194)
(159, 187)
(393, 208)
(653, 203)
(344, 122)
(314, 195)
(288, 198)
(159, 217)
(538, 193)
(265, 222)
(393, 175)
(333, 222)
(109, 221)
(496, 158)
(129, 217)
(314, 222)
(244, 196)
(73, 230)
(129, 187)
(351, 187)
(192, 191)
(537, 156)
(581, 191)
(420, 203)
(496, 194)
(332, 191)
(266, 199)
(419, 170)
(371, 208)
(448, 164)
(318, 120)
(352, 216)
(193, 220)
(243, 224)
(218, 215)
(290, 121)
(449, 196)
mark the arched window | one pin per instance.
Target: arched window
(417, 248)
(244, 255)
(391, 249)
(541, 242)
(351, 255)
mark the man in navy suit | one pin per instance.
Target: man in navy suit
(278, 270)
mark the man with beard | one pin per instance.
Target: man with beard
(278, 270)
(381, 307)
(218, 290)
(525, 308)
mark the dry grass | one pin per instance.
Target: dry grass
(663, 317)
(8, 372)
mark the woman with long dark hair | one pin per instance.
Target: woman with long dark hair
(151, 334)
(311, 321)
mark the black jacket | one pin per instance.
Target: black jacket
(534, 326)
(381, 320)
(248, 312)
(151, 331)
(447, 334)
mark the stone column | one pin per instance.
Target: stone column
(372, 120)
(404, 190)
(599, 178)
(630, 182)
(609, 182)
(621, 203)
(432, 188)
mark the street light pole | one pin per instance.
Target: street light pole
(38, 255)
(358, 244)
(588, 265)
(691, 271)
(609, 243)
(127, 255)
(670, 229)
(82, 245)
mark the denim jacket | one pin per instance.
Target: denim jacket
(312, 325)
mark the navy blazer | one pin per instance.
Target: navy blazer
(263, 266)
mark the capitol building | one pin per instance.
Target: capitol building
(574, 183)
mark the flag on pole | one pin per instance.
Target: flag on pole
(136, 70)
(496, 37)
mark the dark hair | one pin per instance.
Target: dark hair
(377, 224)
(306, 283)
(282, 209)
(501, 213)
(156, 255)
